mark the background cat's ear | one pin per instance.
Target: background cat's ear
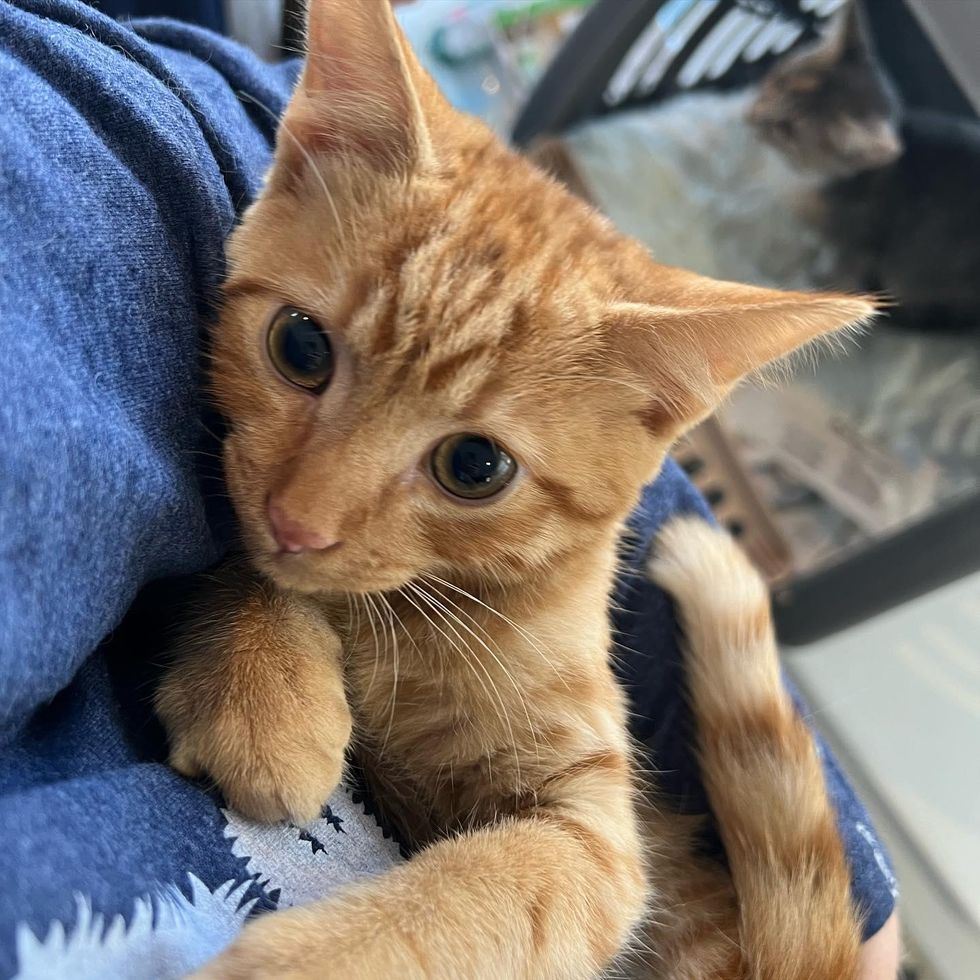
(361, 91)
(692, 349)
(870, 138)
(851, 39)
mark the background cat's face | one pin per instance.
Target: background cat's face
(829, 109)
(434, 359)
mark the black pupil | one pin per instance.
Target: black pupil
(304, 346)
(477, 462)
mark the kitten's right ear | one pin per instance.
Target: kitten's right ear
(550, 154)
(361, 90)
(704, 336)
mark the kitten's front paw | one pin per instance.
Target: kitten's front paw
(272, 739)
(263, 783)
(267, 947)
(310, 943)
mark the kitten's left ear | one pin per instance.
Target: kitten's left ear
(707, 335)
(361, 92)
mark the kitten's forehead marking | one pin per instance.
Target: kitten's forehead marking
(453, 304)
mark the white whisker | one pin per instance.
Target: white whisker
(449, 607)
(368, 607)
(463, 648)
(532, 640)
(386, 605)
(283, 128)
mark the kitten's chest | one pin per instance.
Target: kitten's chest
(466, 719)
(447, 738)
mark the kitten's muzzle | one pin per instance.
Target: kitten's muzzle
(292, 537)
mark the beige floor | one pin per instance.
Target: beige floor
(899, 699)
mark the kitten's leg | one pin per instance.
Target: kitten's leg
(255, 699)
(552, 895)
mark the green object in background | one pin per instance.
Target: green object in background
(469, 33)
(518, 13)
(487, 54)
(460, 43)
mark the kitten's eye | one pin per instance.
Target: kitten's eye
(300, 349)
(471, 466)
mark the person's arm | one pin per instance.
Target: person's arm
(881, 953)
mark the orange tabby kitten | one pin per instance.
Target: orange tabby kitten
(447, 380)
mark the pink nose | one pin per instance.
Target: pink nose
(293, 537)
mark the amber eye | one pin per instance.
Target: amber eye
(300, 350)
(472, 466)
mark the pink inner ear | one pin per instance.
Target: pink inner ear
(353, 50)
(334, 68)
(354, 95)
(326, 129)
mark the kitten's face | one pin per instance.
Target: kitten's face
(463, 413)
(436, 361)
(829, 109)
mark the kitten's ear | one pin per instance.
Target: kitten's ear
(361, 90)
(707, 335)
(550, 154)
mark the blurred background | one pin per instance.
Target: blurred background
(802, 144)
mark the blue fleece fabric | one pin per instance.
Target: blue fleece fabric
(126, 153)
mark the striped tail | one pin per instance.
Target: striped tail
(759, 765)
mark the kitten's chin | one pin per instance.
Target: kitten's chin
(296, 573)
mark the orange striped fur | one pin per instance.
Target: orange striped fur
(793, 917)
(461, 650)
